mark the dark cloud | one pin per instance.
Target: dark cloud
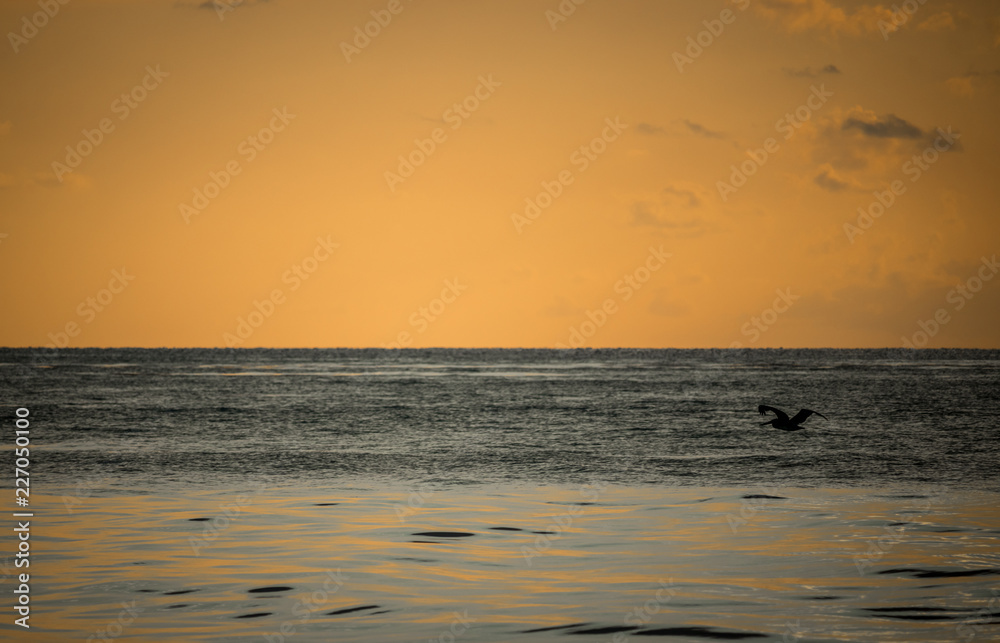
(809, 72)
(828, 182)
(224, 5)
(890, 126)
(798, 16)
(642, 214)
(686, 197)
(701, 130)
(648, 214)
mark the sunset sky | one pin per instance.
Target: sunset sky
(247, 187)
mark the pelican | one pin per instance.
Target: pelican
(783, 422)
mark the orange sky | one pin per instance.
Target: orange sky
(316, 236)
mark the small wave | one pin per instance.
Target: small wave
(919, 613)
(553, 628)
(443, 534)
(702, 632)
(940, 573)
(348, 610)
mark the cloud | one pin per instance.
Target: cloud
(701, 130)
(798, 16)
(938, 22)
(892, 128)
(859, 150)
(889, 126)
(216, 5)
(809, 72)
(688, 127)
(828, 180)
(643, 214)
(686, 198)
(968, 84)
(649, 130)
(831, 180)
(664, 215)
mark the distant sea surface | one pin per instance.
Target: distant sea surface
(508, 495)
(672, 417)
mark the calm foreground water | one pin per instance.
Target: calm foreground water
(516, 495)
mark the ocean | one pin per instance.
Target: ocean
(507, 495)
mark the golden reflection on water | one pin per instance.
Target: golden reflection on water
(750, 565)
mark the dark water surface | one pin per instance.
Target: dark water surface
(522, 495)
(624, 416)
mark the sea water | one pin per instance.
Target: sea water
(508, 495)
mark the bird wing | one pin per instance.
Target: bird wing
(781, 414)
(803, 414)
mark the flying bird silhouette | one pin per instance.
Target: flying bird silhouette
(785, 423)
